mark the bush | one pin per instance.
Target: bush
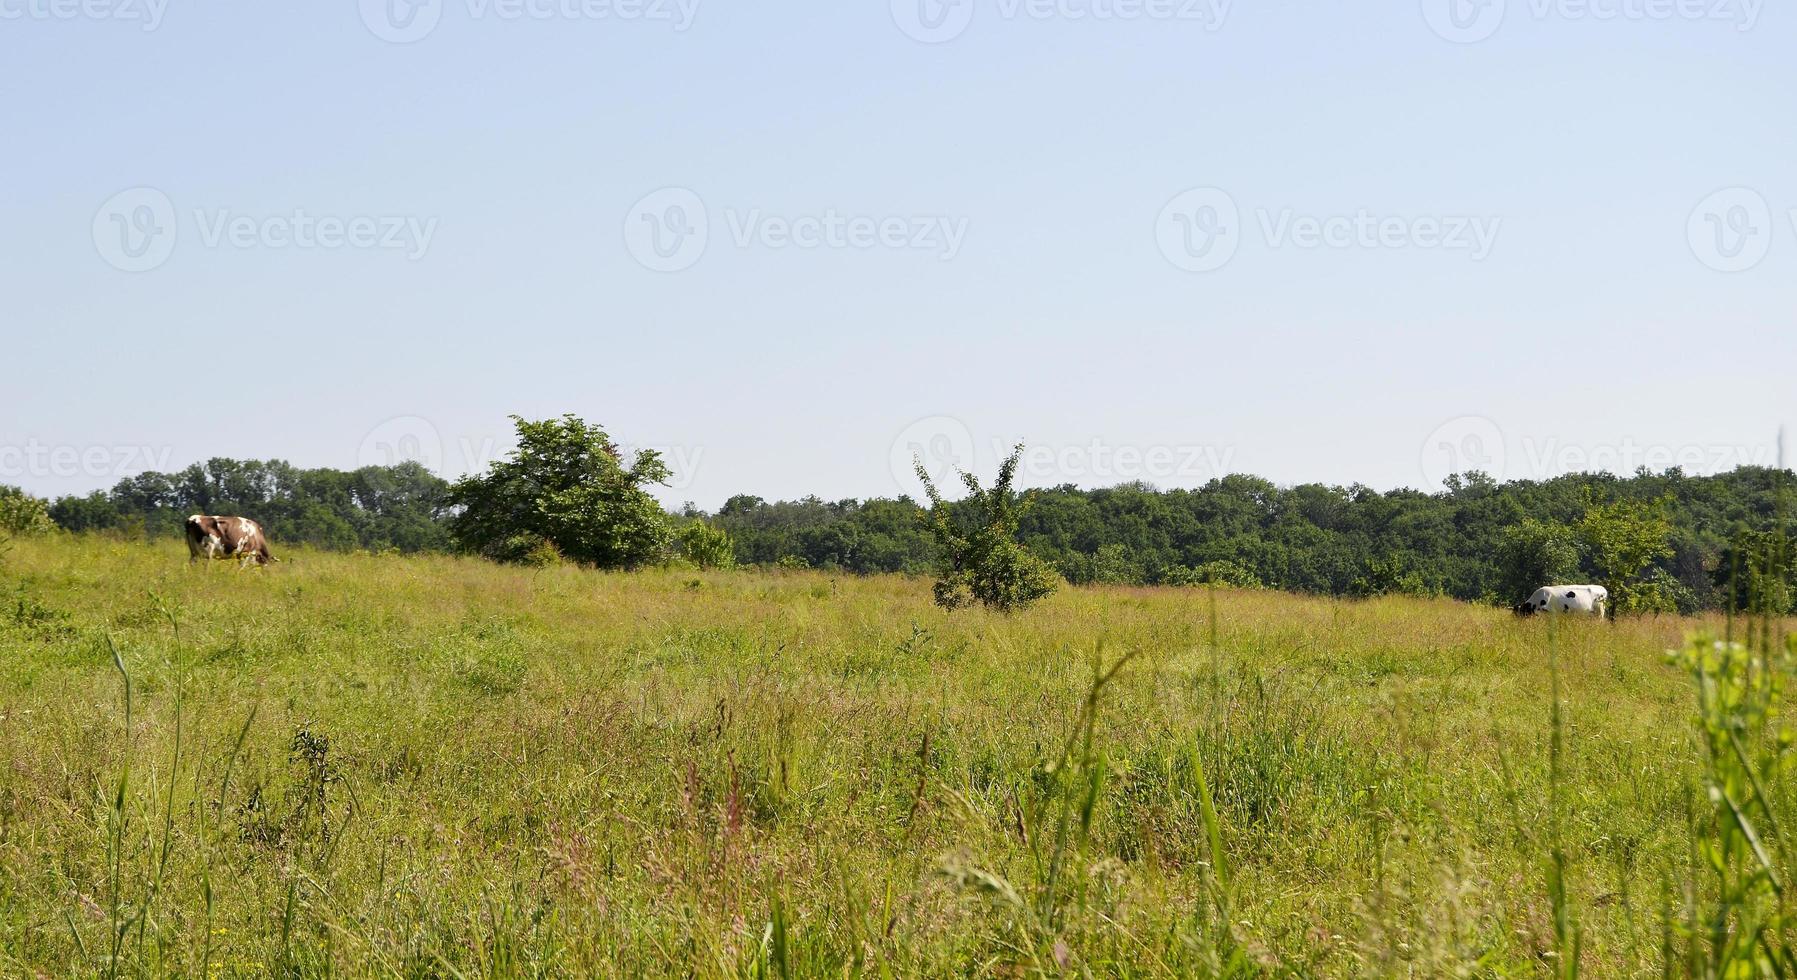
(22, 514)
(706, 546)
(542, 554)
(978, 556)
(1222, 572)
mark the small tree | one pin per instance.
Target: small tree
(1625, 538)
(978, 556)
(565, 484)
(706, 546)
(22, 514)
(1536, 553)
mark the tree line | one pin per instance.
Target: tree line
(1669, 540)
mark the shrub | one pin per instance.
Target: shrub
(22, 514)
(706, 546)
(978, 556)
(543, 554)
(1223, 572)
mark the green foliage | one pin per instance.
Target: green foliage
(1535, 553)
(22, 514)
(1307, 538)
(376, 508)
(1112, 564)
(542, 553)
(1757, 572)
(1738, 923)
(1222, 572)
(1625, 538)
(565, 484)
(1391, 575)
(979, 558)
(706, 546)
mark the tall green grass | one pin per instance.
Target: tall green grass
(356, 765)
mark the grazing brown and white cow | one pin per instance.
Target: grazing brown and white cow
(226, 537)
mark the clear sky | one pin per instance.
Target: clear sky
(788, 243)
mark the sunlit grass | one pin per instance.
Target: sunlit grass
(354, 764)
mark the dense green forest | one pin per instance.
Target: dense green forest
(378, 508)
(1466, 541)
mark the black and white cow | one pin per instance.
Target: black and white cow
(226, 537)
(1587, 599)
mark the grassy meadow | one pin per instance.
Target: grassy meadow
(354, 765)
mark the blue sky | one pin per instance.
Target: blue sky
(1157, 239)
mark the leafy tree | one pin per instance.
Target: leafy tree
(565, 484)
(706, 546)
(1758, 573)
(1625, 538)
(22, 514)
(979, 557)
(1533, 554)
(94, 512)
